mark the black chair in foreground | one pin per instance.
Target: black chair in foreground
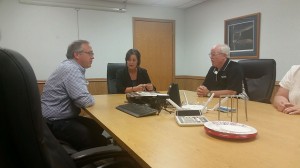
(25, 139)
(259, 78)
(112, 69)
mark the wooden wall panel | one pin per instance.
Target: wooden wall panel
(41, 84)
(189, 82)
(98, 86)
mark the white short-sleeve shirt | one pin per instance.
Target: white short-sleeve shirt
(291, 82)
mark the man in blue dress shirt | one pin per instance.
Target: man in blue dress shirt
(65, 93)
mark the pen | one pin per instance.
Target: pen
(186, 100)
(209, 99)
(217, 105)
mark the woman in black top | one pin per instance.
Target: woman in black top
(133, 78)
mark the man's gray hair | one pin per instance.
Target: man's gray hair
(75, 47)
(224, 49)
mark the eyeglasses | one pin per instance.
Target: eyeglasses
(90, 53)
(212, 55)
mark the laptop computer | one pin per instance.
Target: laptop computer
(187, 115)
(137, 110)
(174, 95)
(142, 104)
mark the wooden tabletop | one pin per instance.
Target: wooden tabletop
(157, 141)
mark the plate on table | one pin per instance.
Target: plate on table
(230, 130)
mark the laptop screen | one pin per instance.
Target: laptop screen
(173, 93)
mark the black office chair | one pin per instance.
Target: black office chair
(25, 139)
(260, 75)
(112, 69)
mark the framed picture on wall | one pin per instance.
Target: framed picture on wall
(242, 36)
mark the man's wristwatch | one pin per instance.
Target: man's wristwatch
(209, 94)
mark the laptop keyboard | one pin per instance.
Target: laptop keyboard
(137, 110)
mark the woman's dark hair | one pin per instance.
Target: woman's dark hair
(133, 52)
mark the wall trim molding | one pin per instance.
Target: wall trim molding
(190, 77)
(98, 86)
(176, 77)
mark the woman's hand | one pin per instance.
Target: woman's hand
(149, 87)
(140, 87)
(143, 87)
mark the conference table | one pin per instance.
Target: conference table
(158, 141)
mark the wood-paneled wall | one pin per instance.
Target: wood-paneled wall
(98, 86)
(189, 82)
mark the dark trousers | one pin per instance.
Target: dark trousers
(81, 132)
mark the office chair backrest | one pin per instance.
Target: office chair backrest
(25, 139)
(260, 75)
(112, 69)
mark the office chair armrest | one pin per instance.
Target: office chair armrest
(88, 156)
